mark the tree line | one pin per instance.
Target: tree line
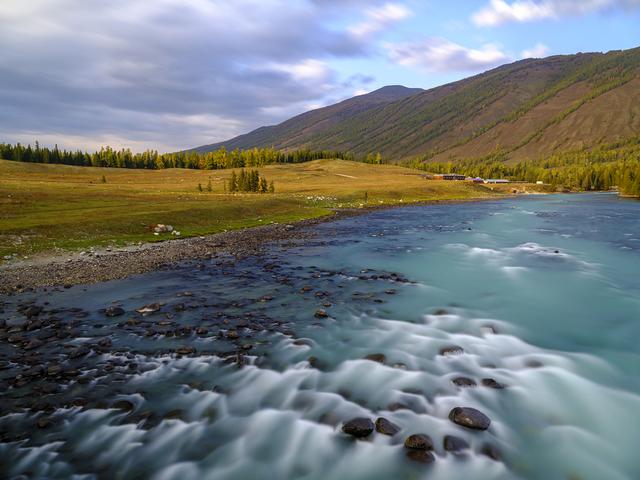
(151, 159)
(615, 165)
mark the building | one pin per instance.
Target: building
(496, 180)
(448, 176)
(539, 182)
(477, 180)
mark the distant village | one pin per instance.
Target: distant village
(458, 177)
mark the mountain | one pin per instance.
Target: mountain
(294, 132)
(524, 110)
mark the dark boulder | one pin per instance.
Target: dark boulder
(32, 311)
(376, 357)
(464, 382)
(419, 441)
(470, 418)
(386, 427)
(491, 383)
(491, 452)
(454, 444)
(114, 311)
(321, 314)
(358, 427)
(421, 456)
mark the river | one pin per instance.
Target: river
(248, 369)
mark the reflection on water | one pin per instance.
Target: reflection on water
(248, 370)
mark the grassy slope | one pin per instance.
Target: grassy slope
(45, 207)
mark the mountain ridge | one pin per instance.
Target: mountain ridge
(525, 110)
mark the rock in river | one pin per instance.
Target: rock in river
(358, 427)
(376, 357)
(386, 427)
(419, 441)
(421, 456)
(454, 444)
(451, 350)
(491, 383)
(470, 418)
(114, 311)
(464, 382)
(148, 309)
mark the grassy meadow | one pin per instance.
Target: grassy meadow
(57, 207)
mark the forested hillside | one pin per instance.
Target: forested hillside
(291, 133)
(526, 110)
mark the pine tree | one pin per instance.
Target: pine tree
(271, 187)
(233, 183)
(200, 187)
(209, 188)
(104, 179)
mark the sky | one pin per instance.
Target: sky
(175, 74)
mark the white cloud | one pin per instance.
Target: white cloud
(437, 54)
(540, 50)
(379, 18)
(498, 12)
(169, 73)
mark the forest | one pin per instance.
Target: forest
(615, 165)
(151, 159)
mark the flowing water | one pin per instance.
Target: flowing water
(237, 377)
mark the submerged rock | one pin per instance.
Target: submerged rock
(470, 418)
(386, 427)
(419, 441)
(114, 311)
(454, 444)
(148, 309)
(464, 382)
(491, 383)
(321, 314)
(376, 357)
(491, 452)
(421, 456)
(451, 350)
(358, 427)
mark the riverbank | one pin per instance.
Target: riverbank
(100, 265)
(59, 208)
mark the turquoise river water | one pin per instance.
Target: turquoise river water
(236, 377)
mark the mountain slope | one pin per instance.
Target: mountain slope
(525, 110)
(297, 130)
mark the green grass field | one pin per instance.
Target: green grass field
(58, 207)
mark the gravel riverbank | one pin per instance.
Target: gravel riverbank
(116, 263)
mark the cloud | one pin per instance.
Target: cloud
(540, 50)
(440, 55)
(379, 18)
(498, 12)
(169, 73)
